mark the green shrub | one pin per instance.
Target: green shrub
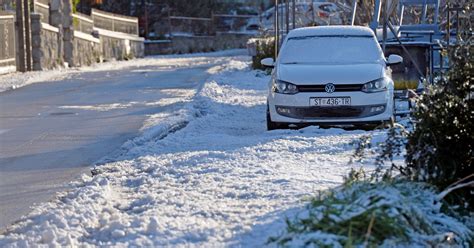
(364, 213)
(440, 148)
(265, 48)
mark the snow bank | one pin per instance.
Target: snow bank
(207, 175)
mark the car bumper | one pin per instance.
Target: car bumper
(365, 108)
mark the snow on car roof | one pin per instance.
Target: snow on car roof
(330, 30)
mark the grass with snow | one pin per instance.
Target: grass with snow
(366, 213)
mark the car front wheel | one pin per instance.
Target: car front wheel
(273, 125)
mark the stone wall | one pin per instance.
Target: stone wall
(194, 44)
(158, 47)
(120, 46)
(45, 45)
(87, 49)
(49, 46)
(232, 40)
(137, 48)
(59, 44)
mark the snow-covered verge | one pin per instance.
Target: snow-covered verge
(208, 175)
(386, 214)
(17, 80)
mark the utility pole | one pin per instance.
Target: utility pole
(294, 14)
(26, 9)
(21, 36)
(385, 16)
(277, 29)
(287, 9)
(354, 11)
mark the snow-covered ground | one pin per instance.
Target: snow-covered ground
(16, 80)
(207, 175)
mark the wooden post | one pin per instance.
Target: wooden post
(26, 9)
(21, 36)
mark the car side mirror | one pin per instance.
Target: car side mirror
(394, 59)
(268, 62)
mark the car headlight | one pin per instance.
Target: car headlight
(378, 85)
(283, 87)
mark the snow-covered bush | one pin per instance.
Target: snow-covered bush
(264, 48)
(440, 148)
(366, 214)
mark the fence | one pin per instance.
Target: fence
(114, 22)
(236, 23)
(7, 43)
(83, 23)
(192, 26)
(42, 7)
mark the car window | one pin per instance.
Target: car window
(331, 50)
(325, 7)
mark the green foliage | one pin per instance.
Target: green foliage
(265, 48)
(75, 3)
(440, 148)
(384, 152)
(368, 213)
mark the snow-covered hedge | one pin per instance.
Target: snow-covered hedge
(440, 149)
(261, 48)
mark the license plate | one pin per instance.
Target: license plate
(330, 101)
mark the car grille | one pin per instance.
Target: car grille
(330, 112)
(339, 88)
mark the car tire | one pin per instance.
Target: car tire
(367, 127)
(272, 125)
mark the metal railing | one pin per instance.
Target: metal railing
(236, 23)
(114, 22)
(83, 23)
(7, 40)
(42, 7)
(190, 26)
(195, 26)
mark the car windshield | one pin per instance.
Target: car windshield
(331, 50)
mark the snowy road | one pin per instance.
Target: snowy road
(208, 175)
(52, 132)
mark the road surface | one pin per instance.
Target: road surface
(52, 132)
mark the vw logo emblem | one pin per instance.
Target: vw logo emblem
(330, 88)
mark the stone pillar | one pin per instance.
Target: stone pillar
(68, 32)
(37, 53)
(56, 20)
(21, 62)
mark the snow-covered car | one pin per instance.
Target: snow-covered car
(330, 75)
